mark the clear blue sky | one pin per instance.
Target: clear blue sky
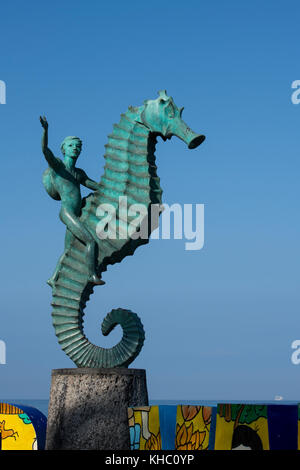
(219, 322)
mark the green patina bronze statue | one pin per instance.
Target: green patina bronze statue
(62, 181)
(130, 172)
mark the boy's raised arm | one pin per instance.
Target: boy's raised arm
(51, 159)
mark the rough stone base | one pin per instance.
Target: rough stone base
(88, 407)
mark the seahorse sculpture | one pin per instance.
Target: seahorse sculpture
(130, 172)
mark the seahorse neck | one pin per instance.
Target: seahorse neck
(130, 168)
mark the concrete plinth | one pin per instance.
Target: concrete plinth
(88, 407)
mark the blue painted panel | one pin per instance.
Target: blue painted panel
(167, 420)
(283, 427)
(212, 431)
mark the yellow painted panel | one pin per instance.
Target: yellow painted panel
(144, 422)
(17, 432)
(192, 427)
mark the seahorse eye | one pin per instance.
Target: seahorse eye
(170, 111)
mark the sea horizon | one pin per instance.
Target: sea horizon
(42, 403)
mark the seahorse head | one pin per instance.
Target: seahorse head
(163, 117)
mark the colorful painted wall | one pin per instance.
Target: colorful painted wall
(224, 427)
(170, 427)
(181, 428)
(21, 427)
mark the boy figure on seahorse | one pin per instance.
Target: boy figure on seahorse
(62, 181)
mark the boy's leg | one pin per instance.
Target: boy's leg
(79, 231)
(53, 278)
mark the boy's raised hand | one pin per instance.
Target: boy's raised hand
(44, 122)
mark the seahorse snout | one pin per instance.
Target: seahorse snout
(196, 141)
(183, 132)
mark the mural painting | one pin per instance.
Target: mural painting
(20, 430)
(242, 427)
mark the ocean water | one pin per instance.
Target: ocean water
(42, 404)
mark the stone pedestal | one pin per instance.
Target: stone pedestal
(88, 407)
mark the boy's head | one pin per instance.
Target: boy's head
(71, 146)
